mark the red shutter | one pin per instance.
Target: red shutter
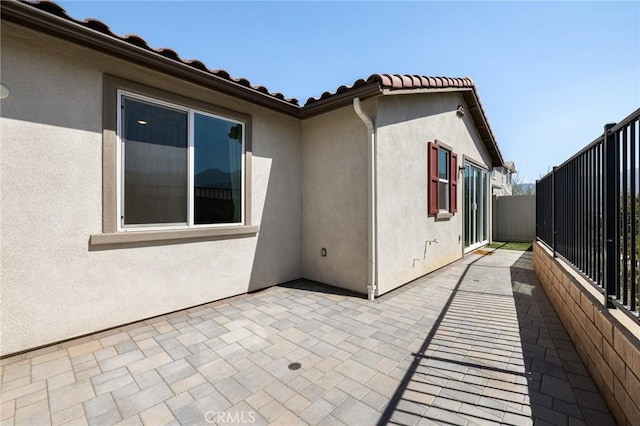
(453, 183)
(433, 177)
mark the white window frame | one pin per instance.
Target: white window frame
(190, 155)
(447, 181)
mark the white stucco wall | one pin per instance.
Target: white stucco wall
(53, 286)
(405, 124)
(334, 188)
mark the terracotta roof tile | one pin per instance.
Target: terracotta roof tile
(137, 41)
(169, 53)
(53, 8)
(402, 81)
(408, 82)
(383, 81)
(99, 26)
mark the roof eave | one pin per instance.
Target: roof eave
(340, 100)
(482, 125)
(511, 166)
(389, 91)
(30, 17)
(475, 109)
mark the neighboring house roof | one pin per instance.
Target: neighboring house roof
(511, 166)
(50, 18)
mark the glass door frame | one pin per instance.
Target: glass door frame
(474, 197)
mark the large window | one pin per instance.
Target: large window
(179, 167)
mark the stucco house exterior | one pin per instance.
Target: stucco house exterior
(135, 183)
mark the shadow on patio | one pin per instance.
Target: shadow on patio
(497, 353)
(475, 342)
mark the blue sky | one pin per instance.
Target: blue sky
(549, 74)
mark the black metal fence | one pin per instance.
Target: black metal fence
(587, 212)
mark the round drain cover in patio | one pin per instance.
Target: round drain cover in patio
(294, 366)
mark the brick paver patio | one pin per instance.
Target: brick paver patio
(476, 342)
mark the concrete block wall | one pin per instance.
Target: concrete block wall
(609, 349)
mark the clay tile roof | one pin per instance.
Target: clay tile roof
(97, 25)
(375, 84)
(139, 42)
(170, 53)
(393, 82)
(53, 8)
(402, 81)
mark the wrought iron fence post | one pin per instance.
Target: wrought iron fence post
(537, 211)
(553, 210)
(610, 189)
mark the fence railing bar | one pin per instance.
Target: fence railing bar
(568, 252)
(587, 212)
(616, 209)
(601, 236)
(582, 193)
(610, 189)
(624, 236)
(598, 210)
(554, 236)
(634, 116)
(592, 225)
(597, 141)
(576, 213)
(578, 227)
(587, 278)
(590, 195)
(624, 308)
(634, 216)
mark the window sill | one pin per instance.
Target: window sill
(171, 235)
(444, 216)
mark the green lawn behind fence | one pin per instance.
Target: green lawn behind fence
(511, 246)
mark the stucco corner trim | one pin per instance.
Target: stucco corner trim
(119, 238)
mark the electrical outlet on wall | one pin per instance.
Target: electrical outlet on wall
(323, 252)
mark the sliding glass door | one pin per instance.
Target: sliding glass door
(476, 207)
